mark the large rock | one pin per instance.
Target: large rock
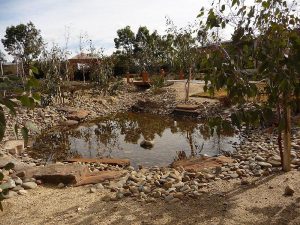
(99, 177)
(78, 115)
(4, 160)
(68, 174)
(200, 163)
(55, 173)
(147, 144)
(14, 147)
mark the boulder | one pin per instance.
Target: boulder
(68, 174)
(147, 144)
(14, 147)
(55, 173)
(78, 115)
(200, 163)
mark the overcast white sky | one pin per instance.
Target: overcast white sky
(99, 19)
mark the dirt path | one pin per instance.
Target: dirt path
(179, 87)
(224, 203)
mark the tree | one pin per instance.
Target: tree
(272, 26)
(24, 42)
(2, 57)
(125, 43)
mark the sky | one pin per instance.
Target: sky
(97, 20)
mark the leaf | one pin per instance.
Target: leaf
(34, 69)
(10, 105)
(9, 166)
(24, 132)
(27, 101)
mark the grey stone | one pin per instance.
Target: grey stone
(8, 184)
(29, 185)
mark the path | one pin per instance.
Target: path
(226, 203)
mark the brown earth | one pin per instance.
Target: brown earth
(223, 203)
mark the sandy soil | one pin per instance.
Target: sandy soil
(195, 87)
(224, 203)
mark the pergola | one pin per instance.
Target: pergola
(82, 58)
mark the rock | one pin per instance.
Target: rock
(61, 185)
(93, 190)
(22, 192)
(265, 164)
(168, 198)
(106, 198)
(29, 185)
(259, 158)
(245, 182)
(70, 123)
(199, 164)
(78, 115)
(99, 186)
(9, 184)
(289, 190)
(147, 144)
(119, 195)
(14, 147)
(18, 181)
(178, 195)
(167, 185)
(18, 188)
(10, 194)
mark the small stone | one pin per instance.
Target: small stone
(245, 182)
(22, 192)
(10, 194)
(289, 190)
(18, 181)
(265, 164)
(169, 198)
(29, 185)
(99, 186)
(106, 198)
(93, 190)
(61, 185)
(119, 195)
(178, 195)
(167, 185)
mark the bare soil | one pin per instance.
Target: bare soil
(261, 202)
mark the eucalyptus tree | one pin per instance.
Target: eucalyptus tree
(272, 25)
(24, 42)
(125, 44)
(185, 48)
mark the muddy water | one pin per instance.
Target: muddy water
(120, 136)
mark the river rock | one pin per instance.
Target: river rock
(265, 164)
(22, 192)
(29, 185)
(147, 144)
(9, 184)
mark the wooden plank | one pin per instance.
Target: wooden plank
(119, 162)
(187, 107)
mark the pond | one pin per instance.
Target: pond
(120, 135)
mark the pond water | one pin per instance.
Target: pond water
(119, 136)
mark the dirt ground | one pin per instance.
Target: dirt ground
(195, 88)
(224, 203)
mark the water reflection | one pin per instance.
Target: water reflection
(120, 136)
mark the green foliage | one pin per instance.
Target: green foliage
(23, 41)
(266, 32)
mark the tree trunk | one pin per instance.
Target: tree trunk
(188, 85)
(287, 136)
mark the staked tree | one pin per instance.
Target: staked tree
(273, 28)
